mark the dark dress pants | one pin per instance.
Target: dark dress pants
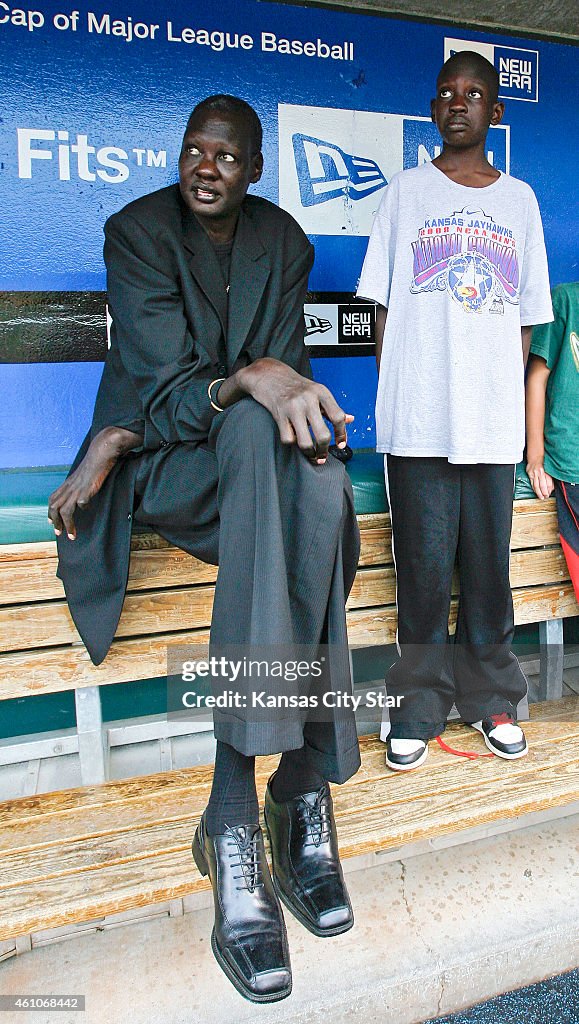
(285, 537)
(441, 512)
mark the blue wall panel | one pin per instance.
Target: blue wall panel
(45, 411)
(104, 94)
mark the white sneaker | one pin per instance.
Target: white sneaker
(402, 754)
(503, 736)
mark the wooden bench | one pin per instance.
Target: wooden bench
(169, 601)
(110, 846)
(81, 854)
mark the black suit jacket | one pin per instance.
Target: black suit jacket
(172, 334)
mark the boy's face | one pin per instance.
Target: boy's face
(464, 108)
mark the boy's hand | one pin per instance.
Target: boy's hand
(543, 484)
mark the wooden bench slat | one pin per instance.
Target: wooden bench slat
(538, 566)
(377, 586)
(74, 899)
(383, 789)
(47, 548)
(539, 604)
(50, 623)
(534, 525)
(368, 626)
(124, 845)
(35, 579)
(527, 793)
(53, 670)
(376, 546)
(373, 587)
(135, 809)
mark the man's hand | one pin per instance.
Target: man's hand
(297, 404)
(543, 484)
(77, 490)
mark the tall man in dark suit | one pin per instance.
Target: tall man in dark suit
(209, 428)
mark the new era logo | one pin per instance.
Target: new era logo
(316, 325)
(330, 325)
(326, 171)
(518, 68)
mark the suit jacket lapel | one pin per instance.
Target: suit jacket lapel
(250, 270)
(204, 266)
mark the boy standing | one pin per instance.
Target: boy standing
(457, 264)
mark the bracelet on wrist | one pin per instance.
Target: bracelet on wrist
(214, 405)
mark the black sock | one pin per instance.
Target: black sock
(233, 799)
(294, 775)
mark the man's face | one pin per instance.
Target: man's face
(216, 168)
(464, 108)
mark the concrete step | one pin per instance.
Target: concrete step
(435, 932)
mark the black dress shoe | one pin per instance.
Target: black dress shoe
(307, 873)
(249, 938)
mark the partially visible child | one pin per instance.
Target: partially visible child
(552, 403)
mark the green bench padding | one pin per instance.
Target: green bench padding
(366, 471)
(523, 487)
(24, 495)
(24, 502)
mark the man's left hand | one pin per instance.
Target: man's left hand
(297, 404)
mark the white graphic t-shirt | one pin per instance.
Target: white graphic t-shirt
(460, 270)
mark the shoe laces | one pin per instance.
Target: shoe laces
(316, 820)
(247, 854)
(503, 719)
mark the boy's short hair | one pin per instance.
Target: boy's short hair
(222, 103)
(474, 62)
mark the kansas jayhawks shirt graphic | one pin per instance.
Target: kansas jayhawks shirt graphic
(472, 256)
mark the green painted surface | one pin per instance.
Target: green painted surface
(24, 495)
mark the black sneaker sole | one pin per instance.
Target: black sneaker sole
(409, 766)
(496, 750)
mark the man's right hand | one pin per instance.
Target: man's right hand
(297, 404)
(77, 490)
